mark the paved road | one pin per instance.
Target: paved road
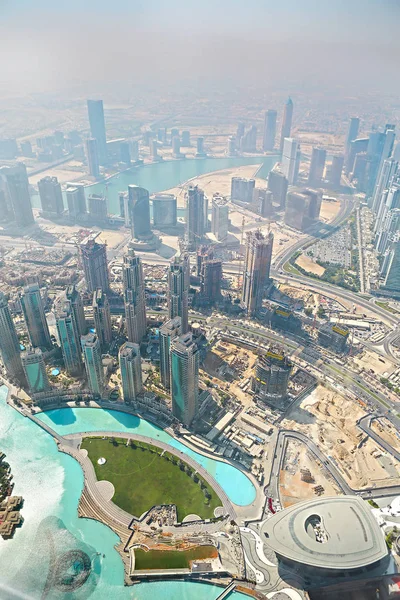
(365, 424)
(280, 449)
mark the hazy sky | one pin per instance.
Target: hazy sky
(48, 44)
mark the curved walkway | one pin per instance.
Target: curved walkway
(90, 476)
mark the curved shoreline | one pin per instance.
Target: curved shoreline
(109, 406)
(90, 474)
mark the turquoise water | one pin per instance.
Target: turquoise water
(237, 486)
(162, 176)
(51, 483)
(55, 372)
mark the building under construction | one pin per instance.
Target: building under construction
(271, 377)
(333, 336)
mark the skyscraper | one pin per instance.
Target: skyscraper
(256, 269)
(35, 318)
(269, 130)
(69, 338)
(164, 210)
(220, 218)
(176, 146)
(51, 196)
(185, 138)
(352, 133)
(97, 205)
(92, 157)
(16, 184)
(286, 122)
(35, 371)
(278, 185)
(169, 331)
(200, 146)
(291, 160)
(94, 262)
(98, 127)
(178, 289)
(317, 166)
(242, 189)
(9, 344)
(139, 210)
(93, 364)
(76, 200)
(74, 297)
(134, 297)
(210, 279)
(130, 364)
(389, 169)
(185, 378)
(302, 208)
(248, 141)
(271, 378)
(392, 278)
(196, 215)
(102, 317)
(335, 173)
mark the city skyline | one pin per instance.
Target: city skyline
(200, 299)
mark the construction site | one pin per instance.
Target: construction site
(330, 421)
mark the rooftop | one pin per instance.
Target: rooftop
(331, 533)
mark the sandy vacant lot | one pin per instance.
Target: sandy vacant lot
(69, 171)
(329, 210)
(309, 265)
(329, 419)
(218, 181)
(370, 360)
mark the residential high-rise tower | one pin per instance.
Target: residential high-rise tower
(286, 122)
(169, 331)
(9, 344)
(102, 317)
(178, 289)
(185, 378)
(256, 269)
(269, 130)
(94, 262)
(93, 364)
(131, 371)
(35, 318)
(51, 196)
(134, 297)
(98, 127)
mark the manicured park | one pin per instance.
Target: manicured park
(143, 476)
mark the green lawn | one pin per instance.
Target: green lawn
(171, 559)
(386, 306)
(143, 478)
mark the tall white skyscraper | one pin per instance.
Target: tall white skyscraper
(286, 122)
(291, 160)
